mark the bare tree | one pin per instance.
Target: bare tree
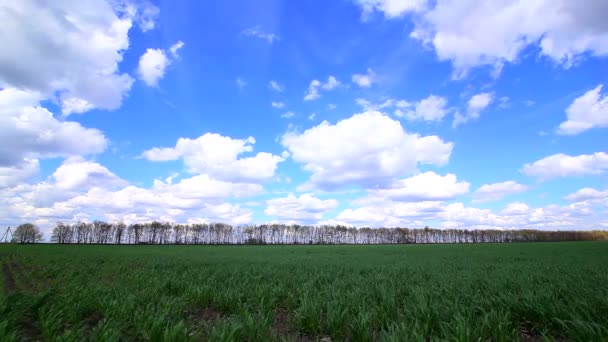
(27, 233)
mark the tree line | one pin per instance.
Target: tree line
(99, 232)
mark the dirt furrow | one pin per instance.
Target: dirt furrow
(9, 279)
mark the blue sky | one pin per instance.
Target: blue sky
(366, 113)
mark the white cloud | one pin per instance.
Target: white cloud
(353, 150)
(365, 80)
(427, 186)
(390, 214)
(241, 83)
(218, 156)
(496, 191)
(277, 104)
(83, 44)
(15, 174)
(288, 115)
(390, 8)
(76, 172)
(469, 33)
(517, 215)
(204, 186)
(313, 91)
(152, 65)
(331, 83)
(75, 105)
(304, 208)
(369, 106)
(174, 49)
(587, 194)
(199, 198)
(504, 102)
(316, 85)
(432, 108)
(274, 85)
(586, 112)
(30, 131)
(144, 14)
(516, 208)
(563, 165)
(72, 177)
(257, 32)
(477, 103)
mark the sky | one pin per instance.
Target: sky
(377, 113)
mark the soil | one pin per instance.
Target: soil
(206, 314)
(93, 318)
(282, 326)
(9, 279)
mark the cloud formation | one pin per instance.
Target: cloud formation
(351, 151)
(496, 191)
(154, 62)
(78, 61)
(562, 165)
(587, 111)
(316, 86)
(304, 208)
(219, 157)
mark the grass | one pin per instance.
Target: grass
(497, 292)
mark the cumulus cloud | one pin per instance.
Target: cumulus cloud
(30, 131)
(496, 191)
(144, 13)
(220, 157)
(515, 215)
(470, 34)
(154, 62)
(288, 115)
(477, 103)
(432, 108)
(586, 194)
(315, 86)
(277, 104)
(152, 65)
(18, 173)
(76, 173)
(586, 112)
(390, 8)
(305, 208)
(563, 165)
(78, 61)
(390, 214)
(257, 32)
(515, 209)
(72, 177)
(365, 80)
(354, 150)
(427, 186)
(196, 199)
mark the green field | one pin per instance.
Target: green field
(496, 292)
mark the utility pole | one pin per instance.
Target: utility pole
(6, 234)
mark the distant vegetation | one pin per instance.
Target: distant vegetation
(473, 292)
(100, 232)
